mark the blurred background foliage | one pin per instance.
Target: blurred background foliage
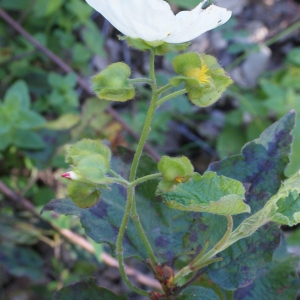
(43, 110)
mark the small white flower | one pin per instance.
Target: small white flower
(153, 20)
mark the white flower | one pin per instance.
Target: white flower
(153, 20)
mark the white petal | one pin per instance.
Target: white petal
(151, 20)
(190, 24)
(112, 11)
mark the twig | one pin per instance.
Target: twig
(66, 68)
(79, 240)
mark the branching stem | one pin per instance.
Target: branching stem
(170, 96)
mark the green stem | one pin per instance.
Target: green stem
(147, 124)
(119, 248)
(120, 181)
(138, 80)
(173, 95)
(145, 178)
(130, 205)
(202, 260)
(137, 156)
(115, 174)
(164, 88)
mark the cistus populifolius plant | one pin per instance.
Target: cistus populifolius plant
(221, 226)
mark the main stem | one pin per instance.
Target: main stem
(137, 156)
(130, 205)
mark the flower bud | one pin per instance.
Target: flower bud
(112, 83)
(174, 171)
(204, 79)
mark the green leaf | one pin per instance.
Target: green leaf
(22, 261)
(86, 289)
(17, 231)
(294, 56)
(285, 204)
(17, 95)
(94, 39)
(27, 140)
(44, 8)
(84, 194)
(198, 293)
(283, 208)
(5, 140)
(53, 139)
(14, 5)
(231, 140)
(28, 119)
(208, 193)
(5, 123)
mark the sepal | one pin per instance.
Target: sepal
(158, 47)
(174, 170)
(204, 79)
(113, 84)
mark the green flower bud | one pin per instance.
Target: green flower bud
(174, 171)
(204, 79)
(86, 148)
(90, 160)
(113, 84)
(84, 194)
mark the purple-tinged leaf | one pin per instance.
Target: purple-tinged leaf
(276, 282)
(260, 168)
(198, 293)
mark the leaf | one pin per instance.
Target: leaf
(27, 140)
(86, 289)
(208, 193)
(198, 293)
(29, 119)
(44, 8)
(17, 231)
(294, 56)
(19, 94)
(278, 281)
(236, 136)
(260, 168)
(283, 208)
(21, 261)
(52, 139)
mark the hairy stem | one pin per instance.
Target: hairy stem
(164, 88)
(137, 156)
(140, 80)
(119, 248)
(173, 95)
(145, 178)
